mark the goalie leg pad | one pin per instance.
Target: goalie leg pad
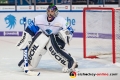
(59, 55)
(36, 50)
(34, 55)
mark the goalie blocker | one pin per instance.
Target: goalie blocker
(54, 45)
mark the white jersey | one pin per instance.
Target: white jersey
(56, 25)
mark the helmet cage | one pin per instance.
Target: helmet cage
(53, 8)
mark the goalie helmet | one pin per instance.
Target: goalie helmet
(52, 12)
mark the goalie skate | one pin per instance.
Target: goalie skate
(73, 68)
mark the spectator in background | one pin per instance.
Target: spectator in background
(112, 0)
(65, 1)
(94, 1)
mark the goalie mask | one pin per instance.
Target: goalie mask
(52, 12)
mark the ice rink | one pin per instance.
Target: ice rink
(50, 69)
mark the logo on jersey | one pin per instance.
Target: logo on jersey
(11, 21)
(57, 24)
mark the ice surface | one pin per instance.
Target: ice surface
(51, 70)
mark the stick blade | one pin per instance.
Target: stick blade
(32, 73)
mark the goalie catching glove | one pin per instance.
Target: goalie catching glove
(66, 35)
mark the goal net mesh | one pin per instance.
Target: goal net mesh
(101, 33)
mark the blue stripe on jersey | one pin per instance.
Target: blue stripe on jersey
(32, 27)
(70, 29)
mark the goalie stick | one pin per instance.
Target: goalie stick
(26, 70)
(25, 56)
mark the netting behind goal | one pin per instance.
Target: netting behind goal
(101, 33)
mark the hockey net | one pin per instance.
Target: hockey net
(101, 33)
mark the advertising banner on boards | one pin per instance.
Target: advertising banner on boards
(12, 23)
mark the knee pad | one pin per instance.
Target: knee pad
(27, 37)
(65, 36)
(25, 41)
(61, 56)
(60, 42)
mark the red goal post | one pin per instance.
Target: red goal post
(101, 32)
